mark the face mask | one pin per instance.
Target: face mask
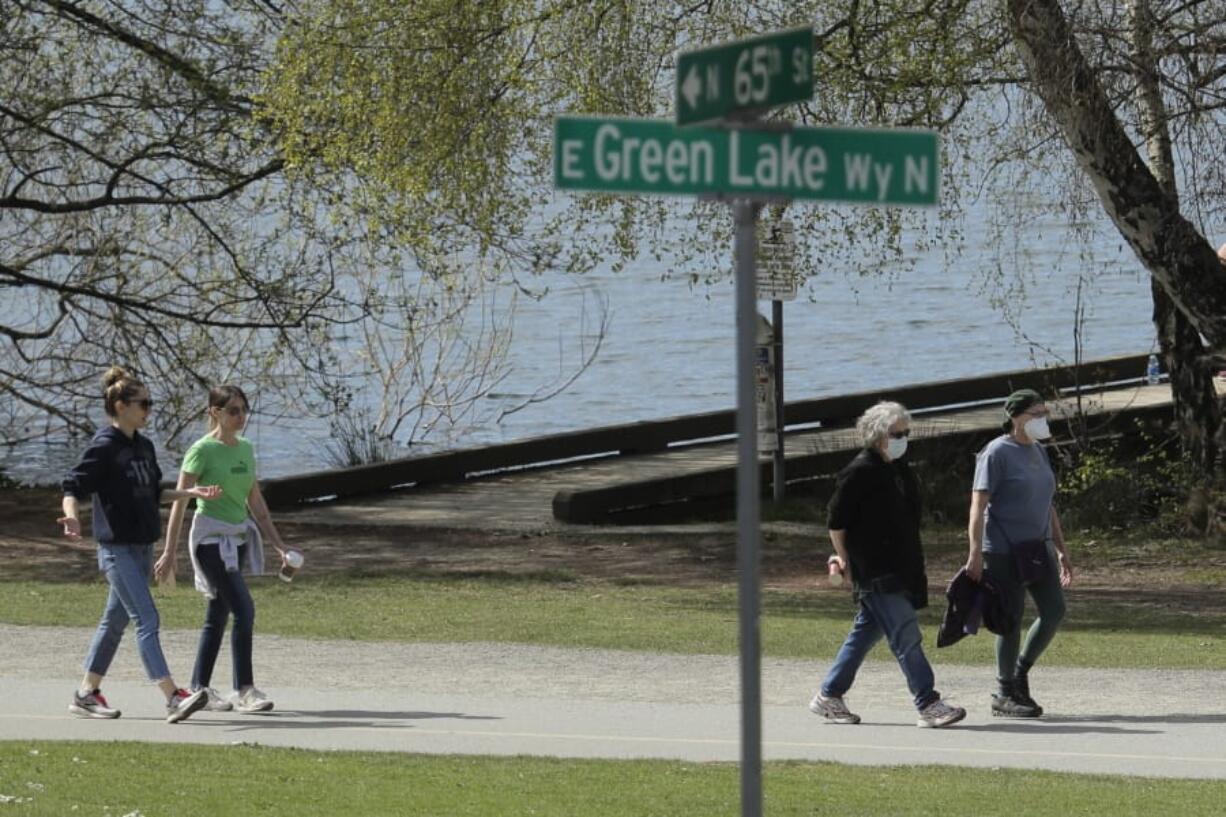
(895, 448)
(1036, 428)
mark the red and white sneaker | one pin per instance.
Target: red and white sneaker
(92, 705)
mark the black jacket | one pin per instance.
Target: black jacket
(877, 503)
(122, 476)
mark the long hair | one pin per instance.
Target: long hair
(119, 384)
(220, 396)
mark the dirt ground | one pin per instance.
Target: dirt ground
(32, 548)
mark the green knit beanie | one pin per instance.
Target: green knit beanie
(1018, 402)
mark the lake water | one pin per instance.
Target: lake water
(669, 349)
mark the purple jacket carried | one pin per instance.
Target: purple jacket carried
(971, 602)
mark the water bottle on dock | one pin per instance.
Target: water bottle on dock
(1152, 372)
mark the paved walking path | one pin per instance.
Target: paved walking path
(499, 699)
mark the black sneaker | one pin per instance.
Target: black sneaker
(91, 705)
(183, 703)
(1008, 706)
(1021, 694)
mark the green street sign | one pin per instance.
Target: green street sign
(746, 75)
(897, 166)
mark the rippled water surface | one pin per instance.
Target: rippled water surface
(669, 348)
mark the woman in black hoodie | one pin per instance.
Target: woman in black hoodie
(874, 519)
(120, 472)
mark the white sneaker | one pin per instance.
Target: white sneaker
(938, 714)
(216, 702)
(252, 700)
(832, 709)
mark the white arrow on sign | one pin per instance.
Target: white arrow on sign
(691, 89)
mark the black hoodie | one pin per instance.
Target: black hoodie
(121, 474)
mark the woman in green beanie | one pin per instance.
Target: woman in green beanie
(1015, 535)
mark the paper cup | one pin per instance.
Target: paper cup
(290, 565)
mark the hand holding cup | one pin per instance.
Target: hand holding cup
(291, 562)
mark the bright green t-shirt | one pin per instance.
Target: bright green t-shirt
(230, 466)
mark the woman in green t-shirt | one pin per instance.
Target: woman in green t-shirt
(227, 536)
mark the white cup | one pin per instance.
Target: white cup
(292, 562)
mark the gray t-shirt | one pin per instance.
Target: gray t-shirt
(1020, 485)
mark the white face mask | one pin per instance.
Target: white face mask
(1036, 428)
(895, 447)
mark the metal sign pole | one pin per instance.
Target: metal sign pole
(748, 508)
(778, 477)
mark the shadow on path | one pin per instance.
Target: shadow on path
(335, 719)
(1176, 717)
(1049, 727)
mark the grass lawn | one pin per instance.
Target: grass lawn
(804, 624)
(164, 780)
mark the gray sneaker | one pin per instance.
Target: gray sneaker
(183, 704)
(832, 709)
(216, 702)
(938, 714)
(251, 700)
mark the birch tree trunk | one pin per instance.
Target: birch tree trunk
(1198, 414)
(1189, 281)
(1180, 259)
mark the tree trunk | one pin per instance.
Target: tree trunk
(1198, 415)
(1180, 259)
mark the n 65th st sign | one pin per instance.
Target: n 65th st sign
(897, 166)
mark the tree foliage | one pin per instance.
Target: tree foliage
(147, 217)
(192, 181)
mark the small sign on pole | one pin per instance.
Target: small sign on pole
(777, 279)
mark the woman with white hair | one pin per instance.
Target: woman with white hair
(874, 519)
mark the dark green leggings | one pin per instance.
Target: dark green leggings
(1048, 597)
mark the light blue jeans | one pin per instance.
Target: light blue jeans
(892, 616)
(127, 568)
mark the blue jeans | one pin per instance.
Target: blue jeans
(127, 568)
(890, 615)
(232, 597)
